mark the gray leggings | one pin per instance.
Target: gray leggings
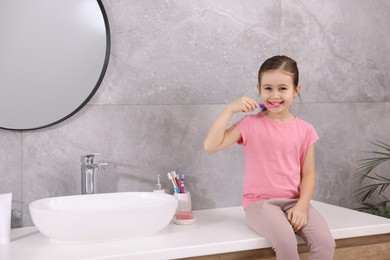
(269, 219)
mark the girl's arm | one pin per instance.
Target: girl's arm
(218, 136)
(298, 214)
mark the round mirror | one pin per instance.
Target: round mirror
(53, 56)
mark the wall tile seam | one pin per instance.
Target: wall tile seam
(21, 176)
(280, 26)
(213, 104)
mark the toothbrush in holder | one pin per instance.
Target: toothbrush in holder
(173, 173)
(182, 182)
(173, 180)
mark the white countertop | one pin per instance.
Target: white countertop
(216, 231)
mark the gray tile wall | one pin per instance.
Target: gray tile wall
(174, 65)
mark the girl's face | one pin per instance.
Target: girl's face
(277, 86)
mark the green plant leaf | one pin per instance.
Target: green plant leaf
(369, 164)
(380, 209)
(379, 183)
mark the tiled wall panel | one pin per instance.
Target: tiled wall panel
(173, 67)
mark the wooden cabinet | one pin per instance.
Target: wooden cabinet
(358, 248)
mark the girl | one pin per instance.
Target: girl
(279, 172)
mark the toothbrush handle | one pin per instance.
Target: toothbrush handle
(182, 182)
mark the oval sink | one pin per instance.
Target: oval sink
(99, 217)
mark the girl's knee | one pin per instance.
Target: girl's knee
(286, 248)
(323, 248)
(285, 243)
(327, 242)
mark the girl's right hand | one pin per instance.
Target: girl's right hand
(243, 104)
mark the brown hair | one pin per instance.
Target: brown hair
(283, 63)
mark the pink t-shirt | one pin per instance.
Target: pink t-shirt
(273, 155)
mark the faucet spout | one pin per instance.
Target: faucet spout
(99, 166)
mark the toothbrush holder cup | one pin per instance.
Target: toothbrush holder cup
(184, 214)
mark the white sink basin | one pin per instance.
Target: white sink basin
(99, 217)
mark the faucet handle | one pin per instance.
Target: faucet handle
(88, 159)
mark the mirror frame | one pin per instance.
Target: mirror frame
(98, 83)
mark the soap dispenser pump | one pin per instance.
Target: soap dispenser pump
(158, 187)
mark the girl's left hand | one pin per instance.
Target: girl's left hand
(297, 217)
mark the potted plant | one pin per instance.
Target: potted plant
(374, 195)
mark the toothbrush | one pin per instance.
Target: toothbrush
(175, 187)
(269, 106)
(182, 182)
(174, 176)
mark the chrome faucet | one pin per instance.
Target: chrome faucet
(88, 168)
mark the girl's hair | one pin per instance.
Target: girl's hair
(280, 62)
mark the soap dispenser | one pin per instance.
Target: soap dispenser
(158, 187)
